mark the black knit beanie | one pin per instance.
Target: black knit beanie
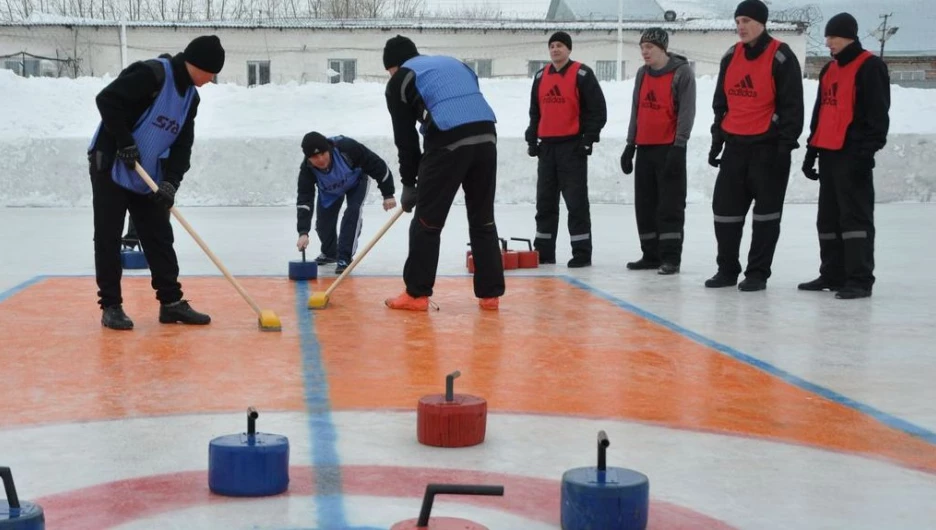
(753, 9)
(205, 53)
(561, 36)
(842, 25)
(314, 143)
(657, 36)
(397, 51)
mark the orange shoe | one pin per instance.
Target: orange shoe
(489, 303)
(407, 302)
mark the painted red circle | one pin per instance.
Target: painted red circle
(114, 503)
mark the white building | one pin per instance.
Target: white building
(322, 50)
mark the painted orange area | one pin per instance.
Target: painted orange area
(61, 365)
(554, 348)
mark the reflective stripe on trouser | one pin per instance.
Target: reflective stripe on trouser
(845, 219)
(749, 173)
(562, 171)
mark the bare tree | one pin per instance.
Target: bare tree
(808, 16)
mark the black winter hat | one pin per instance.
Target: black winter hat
(754, 9)
(842, 25)
(314, 143)
(205, 53)
(657, 36)
(561, 36)
(397, 51)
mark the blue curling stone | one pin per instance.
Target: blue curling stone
(29, 516)
(133, 259)
(244, 465)
(303, 270)
(616, 498)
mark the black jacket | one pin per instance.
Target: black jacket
(406, 108)
(126, 98)
(357, 156)
(593, 110)
(867, 133)
(788, 80)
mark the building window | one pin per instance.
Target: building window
(258, 73)
(481, 67)
(342, 70)
(908, 75)
(23, 67)
(535, 66)
(607, 71)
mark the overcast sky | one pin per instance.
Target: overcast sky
(916, 19)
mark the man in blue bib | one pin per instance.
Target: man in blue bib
(335, 166)
(147, 115)
(459, 150)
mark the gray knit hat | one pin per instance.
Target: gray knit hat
(655, 36)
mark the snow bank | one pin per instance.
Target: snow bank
(247, 141)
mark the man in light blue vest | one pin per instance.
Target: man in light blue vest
(147, 116)
(460, 151)
(336, 167)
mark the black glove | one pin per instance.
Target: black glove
(809, 163)
(713, 153)
(129, 155)
(408, 198)
(584, 147)
(165, 197)
(627, 159)
(533, 150)
(675, 161)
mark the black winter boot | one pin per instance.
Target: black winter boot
(819, 284)
(668, 268)
(115, 318)
(721, 279)
(182, 312)
(643, 264)
(752, 284)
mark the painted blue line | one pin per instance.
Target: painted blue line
(325, 462)
(22, 286)
(883, 417)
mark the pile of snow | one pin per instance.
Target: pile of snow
(247, 140)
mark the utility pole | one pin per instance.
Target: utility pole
(883, 32)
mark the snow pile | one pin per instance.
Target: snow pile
(247, 141)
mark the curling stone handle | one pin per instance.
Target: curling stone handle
(10, 488)
(523, 240)
(603, 444)
(252, 416)
(450, 385)
(452, 489)
(303, 256)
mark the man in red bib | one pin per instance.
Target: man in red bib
(759, 117)
(567, 113)
(662, 115)
(849, 125)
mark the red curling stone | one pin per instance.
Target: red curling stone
(439, 523)
(451, 420)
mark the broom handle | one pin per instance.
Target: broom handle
(364, 252)
(178, 215)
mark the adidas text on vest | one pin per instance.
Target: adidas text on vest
(837, 103)
(656, 113)
(559, 102)
(750, 91)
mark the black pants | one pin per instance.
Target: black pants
(845, 221)
(441, 172)
(759, 173)
(111, 204)
(562, 170)
(660, 204)
(341, 246)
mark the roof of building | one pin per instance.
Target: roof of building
(408, 24)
